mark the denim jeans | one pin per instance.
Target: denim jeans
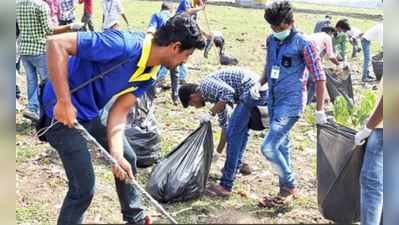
(74, 153)
(276, 148)
(163, 71)
(182, 72)
(34, 66)
(366, 55)
(371, 180)
(237, 136)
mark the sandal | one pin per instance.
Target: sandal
(285, 196)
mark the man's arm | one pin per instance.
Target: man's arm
(116, 124)
(59, 47)
(196, 8)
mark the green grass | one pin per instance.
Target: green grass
(34, 214)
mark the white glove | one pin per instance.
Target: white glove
(321, 117)
(254, 91)
(76, 26)
(205, 118)
(362, 135)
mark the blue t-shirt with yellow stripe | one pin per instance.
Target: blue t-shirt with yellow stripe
(97, 52)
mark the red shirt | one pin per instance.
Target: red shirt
(88, 6)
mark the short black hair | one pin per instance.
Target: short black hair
(343, 24)
(185, 91)
(166, 6)
(182, 28)
(328, 29)
(328, 17)
(279, 12)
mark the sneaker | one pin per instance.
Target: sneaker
(31, 115)
(245, 169)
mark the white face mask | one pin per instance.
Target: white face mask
(282, 35)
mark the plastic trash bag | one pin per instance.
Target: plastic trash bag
(141, 130)
(339, 163)
(339, 86)
(183, 173)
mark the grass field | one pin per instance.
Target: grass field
(41, 182)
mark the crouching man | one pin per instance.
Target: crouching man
(131, 60)
(229, 86)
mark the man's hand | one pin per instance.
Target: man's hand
(205, 118)
(254, 91)
(76, 26)
(321, 117)
(65, 113)
(362, 135)
(122, 170)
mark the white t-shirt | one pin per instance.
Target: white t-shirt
(323, 43)
(375, 33)
(354, 32)
(112, 10)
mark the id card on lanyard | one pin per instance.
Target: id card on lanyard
(275, 73)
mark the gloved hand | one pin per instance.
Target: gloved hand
(205, 118)
(254, 91)
(76, 26)
(362, 135)
(321, 117)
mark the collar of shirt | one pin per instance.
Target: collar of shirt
(139, 74)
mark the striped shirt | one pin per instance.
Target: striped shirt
(33, 21)
(227, 85)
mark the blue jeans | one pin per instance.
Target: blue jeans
(163, 71)
(366, 55)
(276, 148)
(182, 72)
(74, 153)
(34, 66)
(371, 180)
(237, 136)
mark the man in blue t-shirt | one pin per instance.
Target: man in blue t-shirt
(134, 57)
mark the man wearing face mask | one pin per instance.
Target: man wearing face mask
(288, 54)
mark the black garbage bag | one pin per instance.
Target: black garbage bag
(339, 163)
(377, 61)
(227, 60)
(141, 130)
(183, 173)
(339, 86)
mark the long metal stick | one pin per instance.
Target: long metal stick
(112, 162)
